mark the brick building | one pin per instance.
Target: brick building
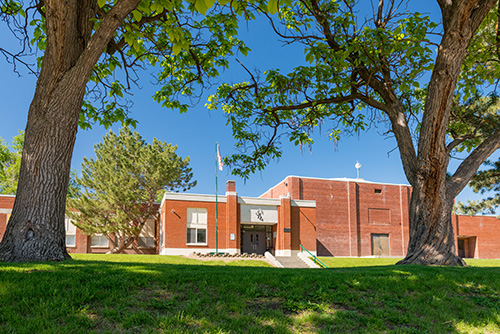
(360, 218)
(77, 242)
(245, 224)
(329, 217)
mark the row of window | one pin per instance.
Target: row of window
(196, 224)
(145, 240)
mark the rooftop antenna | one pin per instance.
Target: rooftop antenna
(358, 166)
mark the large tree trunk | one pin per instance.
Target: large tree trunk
(35, 231)
(432, 241)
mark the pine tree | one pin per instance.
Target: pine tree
(119, 187)
(485, 181)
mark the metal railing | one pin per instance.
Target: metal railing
(315, 259)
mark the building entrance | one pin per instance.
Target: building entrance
(256, 238)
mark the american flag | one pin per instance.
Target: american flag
(219, 158)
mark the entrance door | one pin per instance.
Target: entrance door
(466, 246)
(461, 247)
(254, 242)
(380, 244)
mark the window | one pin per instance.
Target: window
(99, 240)
(378, 191)
(70, 233)
(146, 238)
(196, 226)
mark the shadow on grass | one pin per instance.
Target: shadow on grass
(102, 296)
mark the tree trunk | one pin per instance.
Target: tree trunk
(35, 231)
(432, 241)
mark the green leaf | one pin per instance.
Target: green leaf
(200, 6)
(176, 49)
(137, 15)
(209, 3)
(101, 3)
(272, 7)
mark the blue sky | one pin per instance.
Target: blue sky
(197, 131)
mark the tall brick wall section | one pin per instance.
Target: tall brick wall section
(232, 222)
(3, 224)
(348, 213)
(303, 228)
(284, 228)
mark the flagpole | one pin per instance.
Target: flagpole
(216, 202)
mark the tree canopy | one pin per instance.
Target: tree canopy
(393, 65)
(186, 42)
(120, 186)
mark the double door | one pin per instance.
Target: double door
(254, 242)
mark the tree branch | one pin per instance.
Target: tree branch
(94, 49)
(310, 104)
(470, 165)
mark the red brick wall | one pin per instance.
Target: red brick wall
(232, 222)
(284, 239)
(388, 201)
(175, 228)
(303, 228)
(342, 213)
(486, 229)
(281, 189)
(6, 202)
(3, 224)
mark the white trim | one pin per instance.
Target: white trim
(7, 211)
(296, 252)
(231, 193)
(303, 203)
(305, 258)
(273, 260)
(478, 215)
(189, 251)
(197, 244)
(283, 252)
(347, 179)
(258, 223)
(259, 201)
(241, 200)
(7, 195)
(193, 197)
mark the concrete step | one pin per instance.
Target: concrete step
(291, 262)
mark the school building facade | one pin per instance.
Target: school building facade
(328, 217)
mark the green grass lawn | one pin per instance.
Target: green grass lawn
(167, 294)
